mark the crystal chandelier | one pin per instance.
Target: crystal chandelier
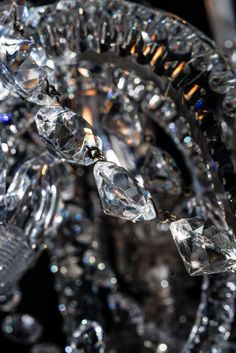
(117, 130)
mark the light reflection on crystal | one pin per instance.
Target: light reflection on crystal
(23, 68)
(121, 195)
(81, 271)
(67, 135)
(203, 247)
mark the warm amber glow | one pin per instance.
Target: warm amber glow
(44, 169)
(178, 69)
(146, 50)
(133, 49)
(157, 54)
(89, 92)
(191, 92)
(88, 116)
(202, 115)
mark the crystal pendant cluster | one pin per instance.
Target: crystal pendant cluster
(112, 100)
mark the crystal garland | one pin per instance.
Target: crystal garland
(150, 102)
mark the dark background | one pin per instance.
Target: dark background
(39, 298)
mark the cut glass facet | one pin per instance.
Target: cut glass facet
(67, 135)
(203, 247)
(121, 195)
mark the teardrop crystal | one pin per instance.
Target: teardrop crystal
(121, 195)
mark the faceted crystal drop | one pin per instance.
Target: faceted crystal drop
(121, 195)
(67, 135)
(45, 348)
(221, 79)
(122, 119)
(23, 68)
(21, 328)
(161, 172)
(204, 248)
(88, 338)
(229, 104)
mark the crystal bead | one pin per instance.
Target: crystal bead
(179, 40)
(221, 79)
(23, 68)
(203, 247)
(121, 195)
(88, 338)
(21, 328)
(164, 109)
(67, 135)
(161, 172)
(229, 104)
(203, 56)
(45, 348)
(122, 119)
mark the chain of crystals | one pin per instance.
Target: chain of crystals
(148, 37)
(215, 315)
(134, 51)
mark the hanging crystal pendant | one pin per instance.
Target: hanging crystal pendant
(23, 68)
(67, 135)
(121, 195)
(204, 248)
